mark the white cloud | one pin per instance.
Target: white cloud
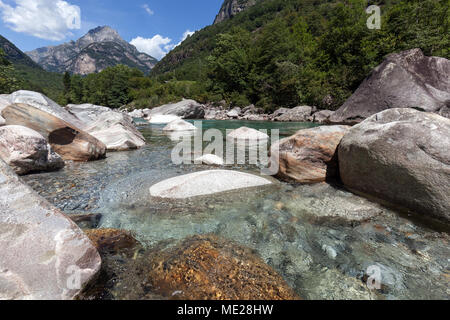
(186, 34)
(45, 19)
(147, 9)
(158, 46)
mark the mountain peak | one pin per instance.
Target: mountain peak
(100, 34)
(98, 49)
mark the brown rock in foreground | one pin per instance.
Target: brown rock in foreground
(209, 268)
(111, 240)
(309, 156)
(68, 141)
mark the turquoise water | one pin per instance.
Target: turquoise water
(320, 238)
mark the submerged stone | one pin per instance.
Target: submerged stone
(207, 267)
(205, 183)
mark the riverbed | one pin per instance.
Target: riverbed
(323, 240)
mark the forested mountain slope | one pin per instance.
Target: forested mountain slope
(27, 74)
(282, 53)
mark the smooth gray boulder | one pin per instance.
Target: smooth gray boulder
(25, 151)
(186, 109)
(205, 183)
(115, 129)
(404, 80)
(402, 156)
(2, 121)
(322, 116)
(297, 114)
(44, 255)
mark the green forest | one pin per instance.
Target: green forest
(279, 53)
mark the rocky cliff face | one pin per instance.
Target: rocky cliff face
(230, 8)
(100, 48)
(14, 55)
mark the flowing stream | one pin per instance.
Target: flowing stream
(321, 238)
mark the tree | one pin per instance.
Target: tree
(8, 82)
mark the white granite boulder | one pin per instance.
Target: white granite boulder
(205, 183)
(115, 129)
(247, 134)
(44, 255)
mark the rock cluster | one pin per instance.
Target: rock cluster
(398, 155)
(39, 132)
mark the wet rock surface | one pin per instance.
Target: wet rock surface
(111, 240)
(206, 267)
(197, 268)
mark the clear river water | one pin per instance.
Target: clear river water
(320, 238)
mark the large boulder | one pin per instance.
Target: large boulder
(404, 80)
(310, 155)
(211, 268)
(26, 151)
(44, 255)
(186, 109)
(322, 116)
(402, 156)
(205, 183)
(298, 114)
(43, 103)
(69, 141)
(115, 129)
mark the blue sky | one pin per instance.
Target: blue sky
(149, 24)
